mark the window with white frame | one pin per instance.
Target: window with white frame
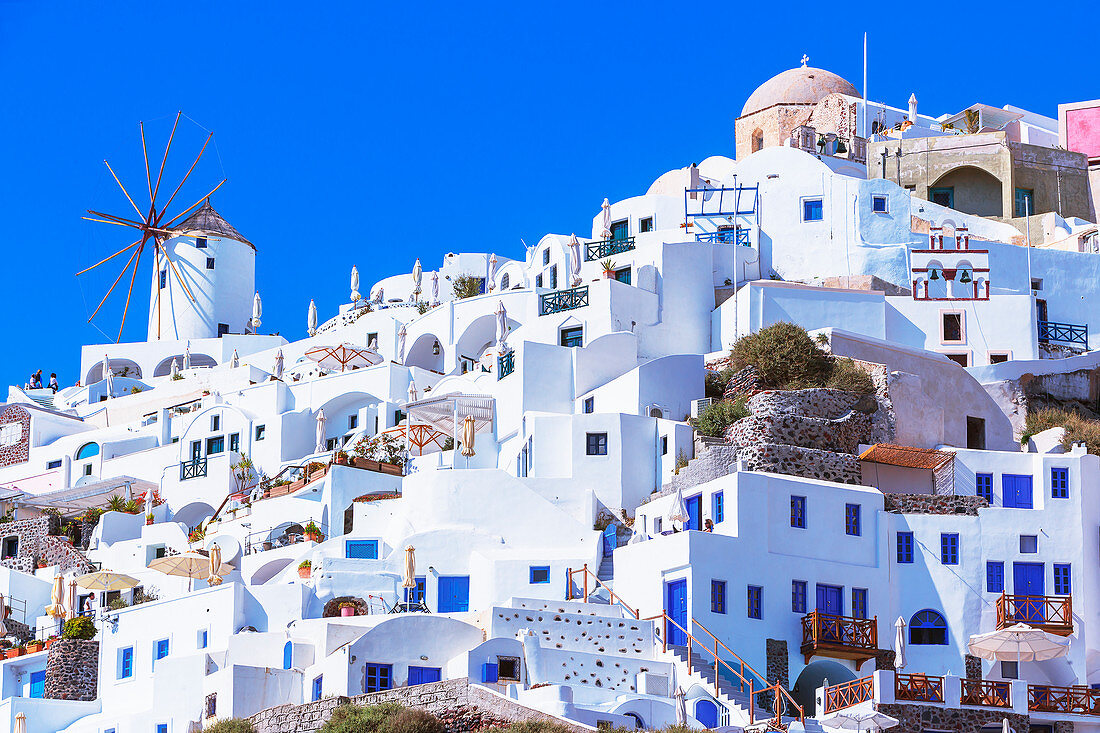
(10, 433)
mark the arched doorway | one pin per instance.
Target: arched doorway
(427, 353)
(970, 190)
(813, 675)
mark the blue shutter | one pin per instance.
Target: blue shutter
(361, 549)
(694, 507)
(1062, 583)
(719, 507)
(994, 577)
(424, 675)
(905, 547)
(983, 486)
(1059, 483)
(317, 688)
(38, 683)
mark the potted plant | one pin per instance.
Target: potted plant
(608, 268)
(16, 651)
(348, 609)
(341, 458)
(149, 518)
(313, 533)
(305, 569)
(35, 646)
(51, 640)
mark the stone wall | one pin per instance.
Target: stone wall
(19, 451)
(72, 669)
(919, 718)
(806, 462)
(933, 504)
(778, 661)
(462, 708)
(973, 667)
(39, 538)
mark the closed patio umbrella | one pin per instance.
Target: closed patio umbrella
(412, 390)
(418, 273)
(148, 503)
(235, 361)
(492, 271)
(1004, 726)
(681, 707)
(106, 580)
(401, 344)
(57, 598)
(320, 448)
(502, 327)
(1018, 643)
(678, 511)
(899, 643)
(279, 364)
(467, 437)
(20, 723)
(257, 311)
(435, 287)
(859, 720)
(175, 368)
(410, 567)
(606, 205)
(3, 615)
(575, 259)
(215, 564)
(354, 284)
(187, 355)
(311, 318)
(108, 377)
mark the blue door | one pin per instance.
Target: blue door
(706, 712)
(830, 600)
(38, 683)
(423, 675)
(1027, 580)
(454, 593)
(610, 540)
(1016, 490)
(695, 512)
(676, 606)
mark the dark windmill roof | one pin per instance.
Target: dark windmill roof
(208, 221)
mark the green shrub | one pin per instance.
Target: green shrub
(715, 383)
(231, 725)
(466, 286)
(358, 719)
(533, 726)
(714, 420)
(413, 721)
(79, 628)
(118, 604)
(847, 375)
(785, 357)
(1079, 429)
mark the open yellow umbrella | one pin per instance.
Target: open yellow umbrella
(57, 598)
(467, 436)
(106, 580)
(410, 568)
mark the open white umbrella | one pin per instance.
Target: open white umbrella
(467, 437)
(492, 271)
(1018, 643)
(311, 318)
(175, 368)
(401, 344)
(606, 206)
(343, 356)
(257, 310)
(354, 284)
(57, 598)
(410, 568)
(502, 327)
(681, 707)
(108, 377)
(187, 355)
(235, 361)
(899, 643)
(859, 720)
(215, 565)
(320, 431)
(678, 511)
(279, 364)
(575, 259)
(435, 287)
(418, 273)
(188, 565)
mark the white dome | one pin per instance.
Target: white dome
(803, 85)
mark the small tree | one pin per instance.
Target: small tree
(80, 627)
(716, 418)
(466, 286)
(785, 357)
(231, 725)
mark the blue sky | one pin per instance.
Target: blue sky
(368, 134)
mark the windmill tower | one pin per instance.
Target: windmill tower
(204, 270)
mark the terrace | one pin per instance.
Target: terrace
(1049, 613)
(840, 637)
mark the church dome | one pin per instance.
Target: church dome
(803, 85)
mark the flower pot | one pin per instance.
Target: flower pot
(15, 652)
(314, 537)
(267, 544)
(347, 611)
(49, 642)
(34, 647)
(609, 274)
(304, 573)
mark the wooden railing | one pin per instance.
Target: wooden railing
(848, 694)
(782, 698)
(1077, 699)
(918, 687)
(1051, 613)
(845, 636)
(987, 693)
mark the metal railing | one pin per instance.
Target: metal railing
(917, 687)
(1076, 699)
(506, 364)
(739, 236)
(848, 631)
(1047, 612)
(606, 248)
(1070, 333)
(987, 693)
(195, 468)
(838, 697)
(563, 300)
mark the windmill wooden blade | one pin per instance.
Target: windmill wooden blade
(153, 197)
(128, 198)
(188, 210)
(116, 254)
(108, 295)
(145, 153)
(185, 177)
(129, 293)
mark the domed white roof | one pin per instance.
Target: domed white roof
(803, 85)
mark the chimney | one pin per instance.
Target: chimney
(913, 108)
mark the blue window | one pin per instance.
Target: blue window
(927, 627)
(596, 444)
(215, 445)
(798, 512)
(204, 638)
(572, 337)
(160, 650)
(38, 683)
(878, 204)
(53, 464)
(983, 486)
(905, 547)
(718, 507)
(126, 663)
(162, 728)
(1059, 483)
(361, 549)
(812, 210)
(1062, 584)
(424, 675)
(798, 596)
(87, 451)
(417, 594)
(589, 405)
(379, 677)
(859, 602)
(755, 592)
(317, 687)
(949, 548)
(851, 519)
(717, 596)
(288, 655)
(994, 576)
(540, 573)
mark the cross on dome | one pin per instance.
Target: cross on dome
(805, 59)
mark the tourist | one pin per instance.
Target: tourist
(708, 526)
(53, 382)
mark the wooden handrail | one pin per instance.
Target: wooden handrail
(1034, 610)
(847, 694)
(570, 572)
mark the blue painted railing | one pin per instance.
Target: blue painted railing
(606, 248)
(506, 364)
(563, 300)
(1070, 333)
(195, 468)
(740, 236)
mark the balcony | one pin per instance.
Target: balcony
(738, 236)
(918, 687)
(1070, 333)
(848, 694)
(809, 139)
(841, 637)
(985, 693)
(563, 300)
(1071, 700)
(195, 468)
(606, 248)
(506, 364)
(1049, 613)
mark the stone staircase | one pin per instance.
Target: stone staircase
(606, 571)
(41, 397)
(729, 687)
